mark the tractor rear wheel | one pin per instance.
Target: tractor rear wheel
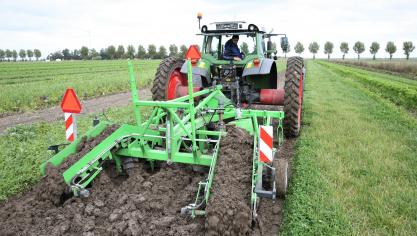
(293, 98)
(167, 79)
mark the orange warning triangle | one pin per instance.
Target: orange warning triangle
(193, 53)
(70, 102)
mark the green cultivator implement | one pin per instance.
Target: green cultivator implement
(187, 129)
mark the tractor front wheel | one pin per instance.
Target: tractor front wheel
(167, 80)
(293, 98)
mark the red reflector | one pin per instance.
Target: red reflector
(193, 53)
(256, 61)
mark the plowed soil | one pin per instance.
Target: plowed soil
(145, 202)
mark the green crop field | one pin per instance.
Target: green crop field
(30, 86)
(33, 85)
(354, 169)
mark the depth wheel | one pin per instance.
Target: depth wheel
(167, 79)
(282, 177)
(293, 98)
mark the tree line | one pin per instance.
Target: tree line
(12, 55)
(111, 52)
(358, 48)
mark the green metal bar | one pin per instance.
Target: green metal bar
(135, 96)
(60, 157)
(199, 93)
(210, 132)
(146, 124)
(162, 155)
(202, 104)
(179, 121)
(164, 104)
(212, 170)
(254, 174)
(191, 101)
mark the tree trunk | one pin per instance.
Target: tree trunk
(328, 56)
(343, 56)
(408, 56)
(390, 57)
(374, 57)
(358, 56)
(314, 56)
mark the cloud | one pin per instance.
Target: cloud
(53, 25)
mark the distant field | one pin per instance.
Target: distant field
(27, 86)
(33, 85)
(399, 90)
(398, 67)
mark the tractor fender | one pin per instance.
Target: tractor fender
(263, 69)
(198, 72)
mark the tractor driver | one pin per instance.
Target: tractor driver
(231, 49)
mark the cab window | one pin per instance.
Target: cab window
(212, 46)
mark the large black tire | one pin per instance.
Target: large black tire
(160, 83)
(292, 103)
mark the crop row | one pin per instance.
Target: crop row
(398, 92)
(406, 68)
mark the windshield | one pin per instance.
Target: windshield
(215, 44)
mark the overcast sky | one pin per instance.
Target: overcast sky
(52, 25)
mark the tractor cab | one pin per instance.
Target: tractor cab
(252, 80)
(254, 42)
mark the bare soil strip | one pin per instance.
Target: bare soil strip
(55, 113)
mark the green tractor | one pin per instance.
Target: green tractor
(250, 81)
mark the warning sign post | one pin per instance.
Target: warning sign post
(70, 105)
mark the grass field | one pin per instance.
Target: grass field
(396, 67)
(355, 169)
(33, 85)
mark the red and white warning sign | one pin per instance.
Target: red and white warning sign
(70, 127)
(265, 143)
(71, 106)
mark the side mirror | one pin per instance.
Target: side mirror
(284, 43)
(275, 58)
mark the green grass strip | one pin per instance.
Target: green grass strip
(398, 92)
(355, 167)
